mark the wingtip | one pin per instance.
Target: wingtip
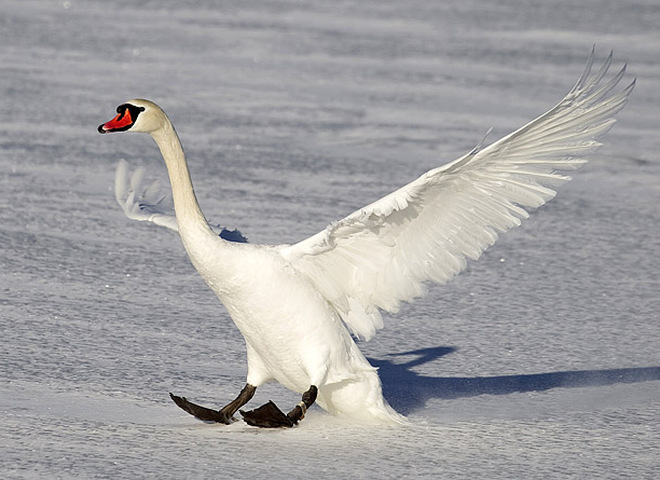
(121, 174)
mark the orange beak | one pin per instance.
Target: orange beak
(121, 122)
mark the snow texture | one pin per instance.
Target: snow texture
(541, 361)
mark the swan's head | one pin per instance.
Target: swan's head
(137, 115)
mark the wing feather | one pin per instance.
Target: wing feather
(141, 203)
(153, 203)
(385, 253)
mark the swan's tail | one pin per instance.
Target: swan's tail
(360, 400)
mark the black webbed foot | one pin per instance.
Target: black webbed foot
(202, 413)
(267, 416)
(270, 416)
(224, 415)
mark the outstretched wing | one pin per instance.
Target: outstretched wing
(152, 204)
(384, 253)
(142, 203)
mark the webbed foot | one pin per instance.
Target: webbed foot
(267, 416)
(270, 416)
(224, 415)
(203, 413)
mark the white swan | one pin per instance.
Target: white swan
(297, 305)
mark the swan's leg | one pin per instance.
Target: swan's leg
(269, 416)
(225, 414)
(299, 411)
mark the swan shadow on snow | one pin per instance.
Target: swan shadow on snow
(408, 391)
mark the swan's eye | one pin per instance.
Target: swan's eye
(133, 111)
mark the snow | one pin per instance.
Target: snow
(540, 361)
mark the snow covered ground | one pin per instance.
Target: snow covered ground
(542, 360)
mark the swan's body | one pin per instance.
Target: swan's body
(297, 305)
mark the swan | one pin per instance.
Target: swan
(299, 307)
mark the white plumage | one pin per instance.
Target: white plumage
(295, 304)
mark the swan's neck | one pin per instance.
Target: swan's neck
(188, 212)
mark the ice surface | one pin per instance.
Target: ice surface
(540, 361)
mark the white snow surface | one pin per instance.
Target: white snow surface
(541, 361)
